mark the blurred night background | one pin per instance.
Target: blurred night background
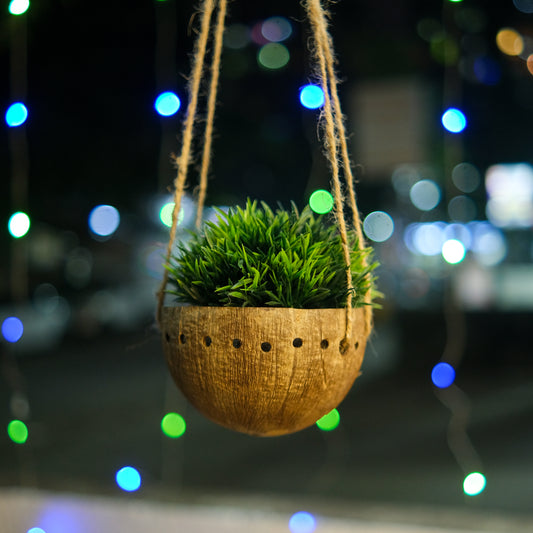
(438, 98)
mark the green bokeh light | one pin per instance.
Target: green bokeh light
(165, 214)
(173, 425)
(474, 484)
(17, 431)
(273, 56)
(321, 201)
(18, 7)
(18, 224)
(330, 421)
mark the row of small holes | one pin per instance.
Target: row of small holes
(265, 346)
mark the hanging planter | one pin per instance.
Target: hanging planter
(275, 308)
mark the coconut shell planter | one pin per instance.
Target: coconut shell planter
(266, 370)
(272, 309)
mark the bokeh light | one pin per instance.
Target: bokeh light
(36, 530)
(18, 224)
(17, 431)
(276, 29)
(321, 201)
(466, 177)
(302, 522)
(461, 232)
(488, 244)
(529, 63)
(510, 42)
(236, 36)
(128, 479)
(474, 484)
(273, 56)
(425, 195)
(12, 329)
(16, 114)
(166, 211)
(312, 96)
(442, 375)
(378, 226)
(486, 70)
(330, 421)
(104, 220)
(453, 251)
(453, 120)
(525, 6)
(18, 7)
(167, 104)
(444, 49)
(510, 195)
(173, 425)
(462, 209)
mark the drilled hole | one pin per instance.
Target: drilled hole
(182, 338)
(266, 346)
(167, 337)
(237, 343)
(207, 340)
(356, 345)
(297, 343)
(324, 344)
(343, 347)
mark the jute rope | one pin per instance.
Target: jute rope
(184, 159)
(335, 141)
(335, 136)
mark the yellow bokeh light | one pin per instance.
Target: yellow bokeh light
(510, 42)
(530, 64)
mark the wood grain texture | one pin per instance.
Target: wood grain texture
(262, 371)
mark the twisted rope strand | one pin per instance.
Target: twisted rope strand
(348, 174)
(213, 88)
(183, 160)
(317, 18)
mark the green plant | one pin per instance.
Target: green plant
(259, 257)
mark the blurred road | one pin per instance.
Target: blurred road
(96, 406)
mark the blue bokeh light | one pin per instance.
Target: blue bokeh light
(302, 522)
(312, 96)
(167, 104)
(104, 220)
(36, 530)
(442, 375)
(128, 479)
(453, 120)
(16, 114)
(12, 329)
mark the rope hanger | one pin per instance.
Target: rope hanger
(335, 144)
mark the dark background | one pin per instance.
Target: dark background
(95, 390)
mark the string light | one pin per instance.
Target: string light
(18, 224)
(330, 421)
(378, 226)
(453, 120)
(128, 479)
(321, 201)
(474, 484)
(173, 425)
(302, 522)
(453, 251)
(18, 7)
(12, 329)
(104, 220)
(16, 114)
(273, 56)
(312, 96)
(167, 104)
(17, 431)
(442, 375)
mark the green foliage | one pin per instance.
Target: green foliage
(257, 257)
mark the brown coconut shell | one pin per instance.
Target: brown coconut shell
(262, 371)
